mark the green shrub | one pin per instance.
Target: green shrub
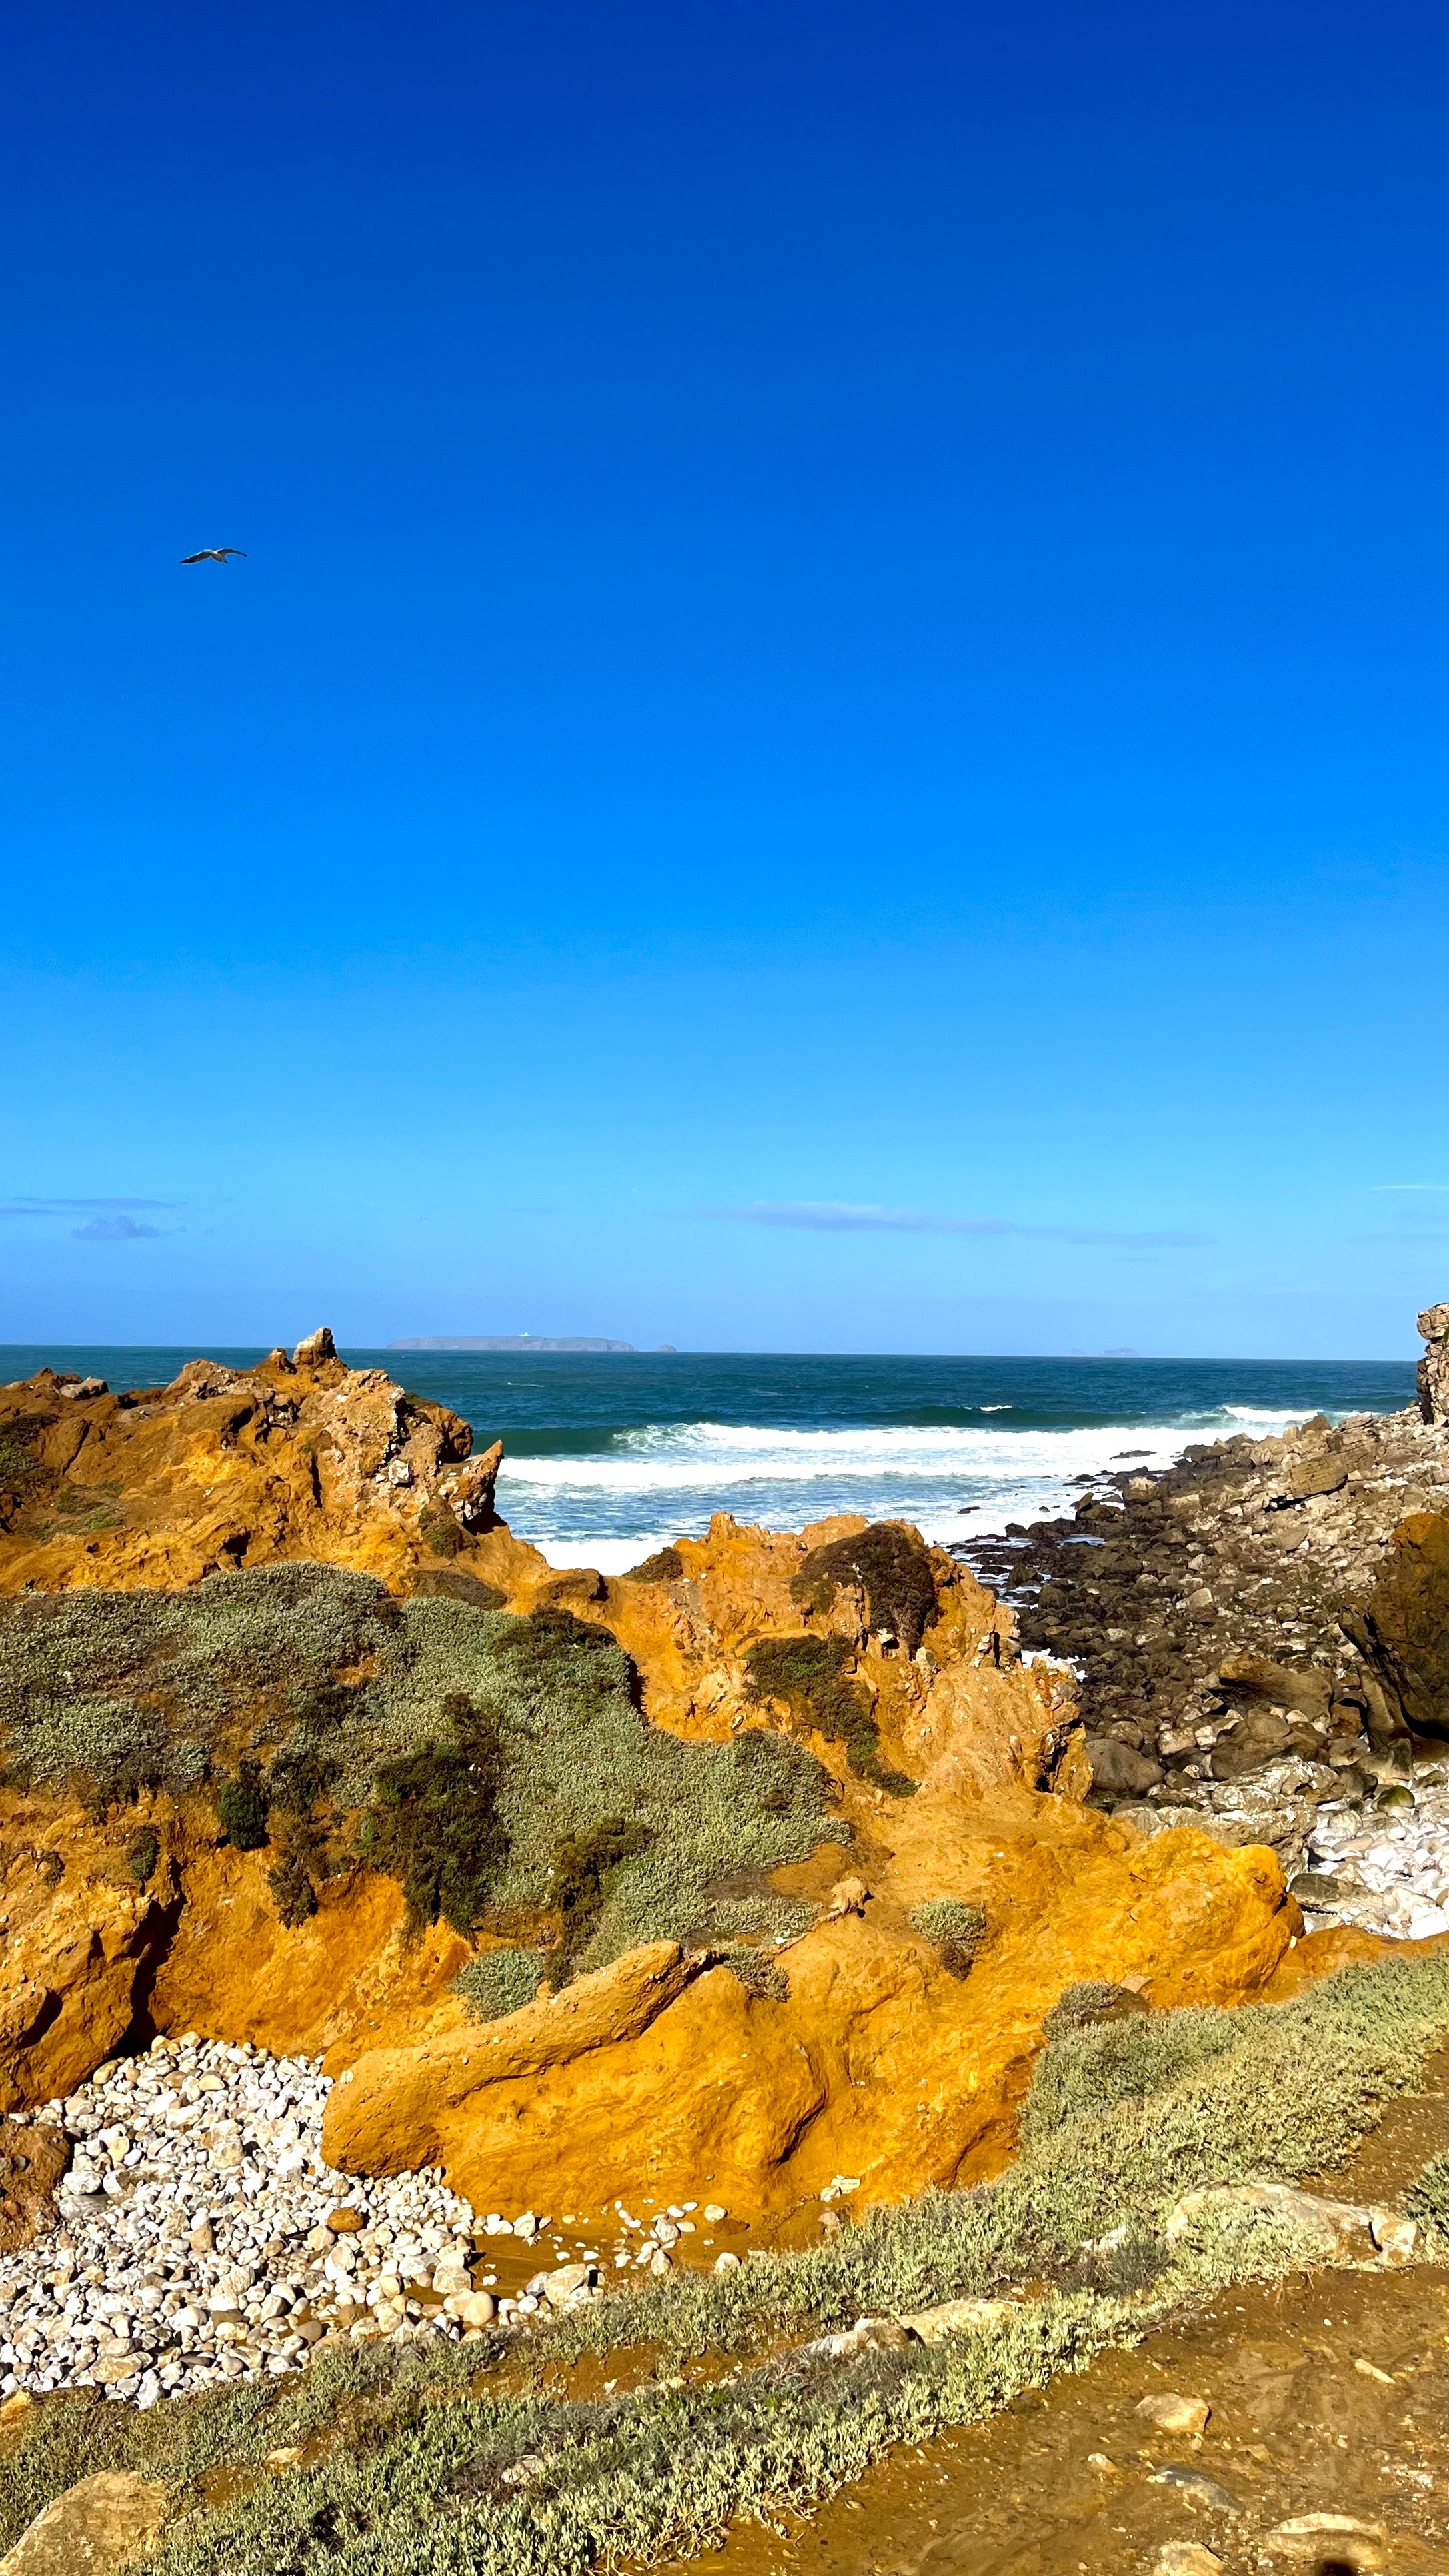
(337, 1696)
(241, 1805)
(143, 1850)
(441, 1583)
(1087, 2071)
(757, 1971)
(957, 1930)
(890, 1563)
(116, 1692)
(21, 1474)
(1093, 2000)
(666, 1565)
(434, 1819)
(1428, 2199)
(809, 1674)
(499, 1982)
(293, 1893)
(443, 1532)
(584, 1868)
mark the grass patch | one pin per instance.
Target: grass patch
(810, 1677)
(1093, 2000)
(585, 1867)
(436, 2473)
(444, 1533)
(889, 1563)
(957, 1930)
(1428, 2200)
(499, 1982)
(21, 1473)
(757, 1972)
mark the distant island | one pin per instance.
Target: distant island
(511, 1342)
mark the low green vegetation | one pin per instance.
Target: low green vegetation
(957, 1930)
(1093, 2000)
(585, 1868)
(444, 1533)
(420, 2464)
(810, 1676)
(21, 1474)
(499, 1982)
(889, 1562)
(292, 1890)
(433, 1822)
(241, 1807)
(1429, 2199)
(666, 1565)
(143, 1850)
(498, 1767)
(757, 1971)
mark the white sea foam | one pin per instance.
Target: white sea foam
(614, 1507)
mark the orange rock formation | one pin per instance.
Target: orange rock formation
(299, 1457)
(660, 2074)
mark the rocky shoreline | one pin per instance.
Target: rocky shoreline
(1218, 1618)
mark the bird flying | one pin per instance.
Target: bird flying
(214, 554)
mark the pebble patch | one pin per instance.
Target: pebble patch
(201, 2236)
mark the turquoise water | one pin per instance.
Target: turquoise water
(610, 1454)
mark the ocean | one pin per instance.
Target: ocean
(608, 1455)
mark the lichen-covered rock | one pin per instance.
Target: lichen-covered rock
(94, 2529)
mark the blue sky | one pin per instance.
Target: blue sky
(833, 730)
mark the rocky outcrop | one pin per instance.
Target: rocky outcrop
(872, 2043)
(299, 1457)
(1204, 1608)
(94, 1962)
(1259, 1640)
(667, 2077)
(1434, 1366)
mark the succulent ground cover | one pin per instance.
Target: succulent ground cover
(497, 1766)
(811, 1678)
(470, 2462)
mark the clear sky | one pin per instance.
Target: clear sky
(832, 734)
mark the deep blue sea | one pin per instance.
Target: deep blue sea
(608, 1455)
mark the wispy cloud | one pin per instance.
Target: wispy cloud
(840, 1216)
(1383, 1189)
(27, 1206)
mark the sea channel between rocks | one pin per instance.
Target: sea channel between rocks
(200, 2236)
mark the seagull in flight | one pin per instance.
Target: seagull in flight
(214, 554)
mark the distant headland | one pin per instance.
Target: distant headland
(514, 1342)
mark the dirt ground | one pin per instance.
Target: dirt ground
(1329, 2395)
